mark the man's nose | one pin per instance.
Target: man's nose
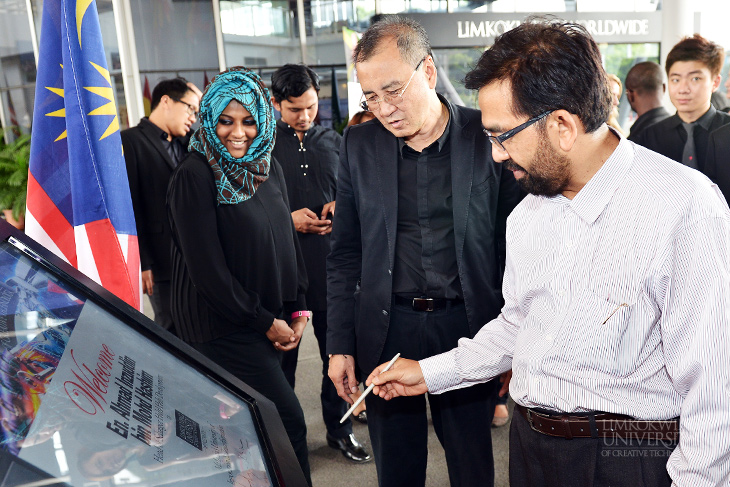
(499, 154)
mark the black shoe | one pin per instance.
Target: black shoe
(362, 417)
(350, 448)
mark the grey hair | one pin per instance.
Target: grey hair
(410, 36)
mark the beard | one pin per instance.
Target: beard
(549, 171)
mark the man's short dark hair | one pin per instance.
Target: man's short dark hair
(645, 78)
(175, 88)
(292, 80)
(550, 65)
(697, 48)
(410, 36)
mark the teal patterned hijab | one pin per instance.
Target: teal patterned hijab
(236, 179)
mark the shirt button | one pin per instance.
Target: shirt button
(549, 338)
(569, 244)
(561, 293)
(385, 312)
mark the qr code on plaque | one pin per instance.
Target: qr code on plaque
(188, 430)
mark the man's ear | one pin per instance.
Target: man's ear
(566, 126)
(716, 82)
(276, 104)
(430, 68)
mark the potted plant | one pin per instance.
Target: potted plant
(14, 159)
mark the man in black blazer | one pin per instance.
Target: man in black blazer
(645, 89)
(152, 150)
(693, 70)
(417, 253)
(717, 167)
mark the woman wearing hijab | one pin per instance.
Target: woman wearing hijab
(237, 270)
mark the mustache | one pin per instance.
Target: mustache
(513, 166)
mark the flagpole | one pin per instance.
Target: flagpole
(128, 59)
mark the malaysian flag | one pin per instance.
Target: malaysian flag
(79, 204)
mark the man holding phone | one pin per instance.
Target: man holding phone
(309, 155)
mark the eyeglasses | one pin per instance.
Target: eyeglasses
(391, 98)
(190, 108)
(499, 139)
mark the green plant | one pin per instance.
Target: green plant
(14, 158)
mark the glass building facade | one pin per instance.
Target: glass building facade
(149, 40)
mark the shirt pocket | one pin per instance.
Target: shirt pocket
(603, 337)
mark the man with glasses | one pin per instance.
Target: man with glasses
(617, 286)
(152, 150)
(417, 253)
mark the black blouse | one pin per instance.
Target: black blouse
(233, 266)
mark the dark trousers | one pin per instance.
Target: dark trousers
(160, 300)
(333, 406)
(252, 358)
(462, 418)
(538, 460)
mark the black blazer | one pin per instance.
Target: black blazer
(359, 267)
(668, 137)
(646, 120)
(717, 166)
(149, 167)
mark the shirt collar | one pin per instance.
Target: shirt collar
(157, 130)
(441, 141)
(287, 129)
(704, 121)
(594, 197)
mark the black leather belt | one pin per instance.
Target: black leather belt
(425, 304)
(600, 425)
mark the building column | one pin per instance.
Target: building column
(678, 20)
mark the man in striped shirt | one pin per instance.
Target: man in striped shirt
(617, 286)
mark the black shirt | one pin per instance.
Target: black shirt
(425, 247)
(310, 170)
(234, 267)
(176, 148)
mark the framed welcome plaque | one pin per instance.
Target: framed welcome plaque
(93, 393)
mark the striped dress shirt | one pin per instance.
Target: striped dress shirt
(618, 301)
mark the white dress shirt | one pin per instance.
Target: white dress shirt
(618, 301)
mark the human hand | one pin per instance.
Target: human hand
(297, 326)
(148, 282)
(342, 374)
(505, 380)
(307, 221)
(280, 333)
(404, 378)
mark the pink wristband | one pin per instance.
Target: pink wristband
(297, 314)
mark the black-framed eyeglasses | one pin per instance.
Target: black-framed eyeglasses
(499, 139)
(394, 98)
(190, 108)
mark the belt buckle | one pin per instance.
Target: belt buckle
(529, 420)
(423, 304)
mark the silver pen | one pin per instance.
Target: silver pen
(368, 390)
